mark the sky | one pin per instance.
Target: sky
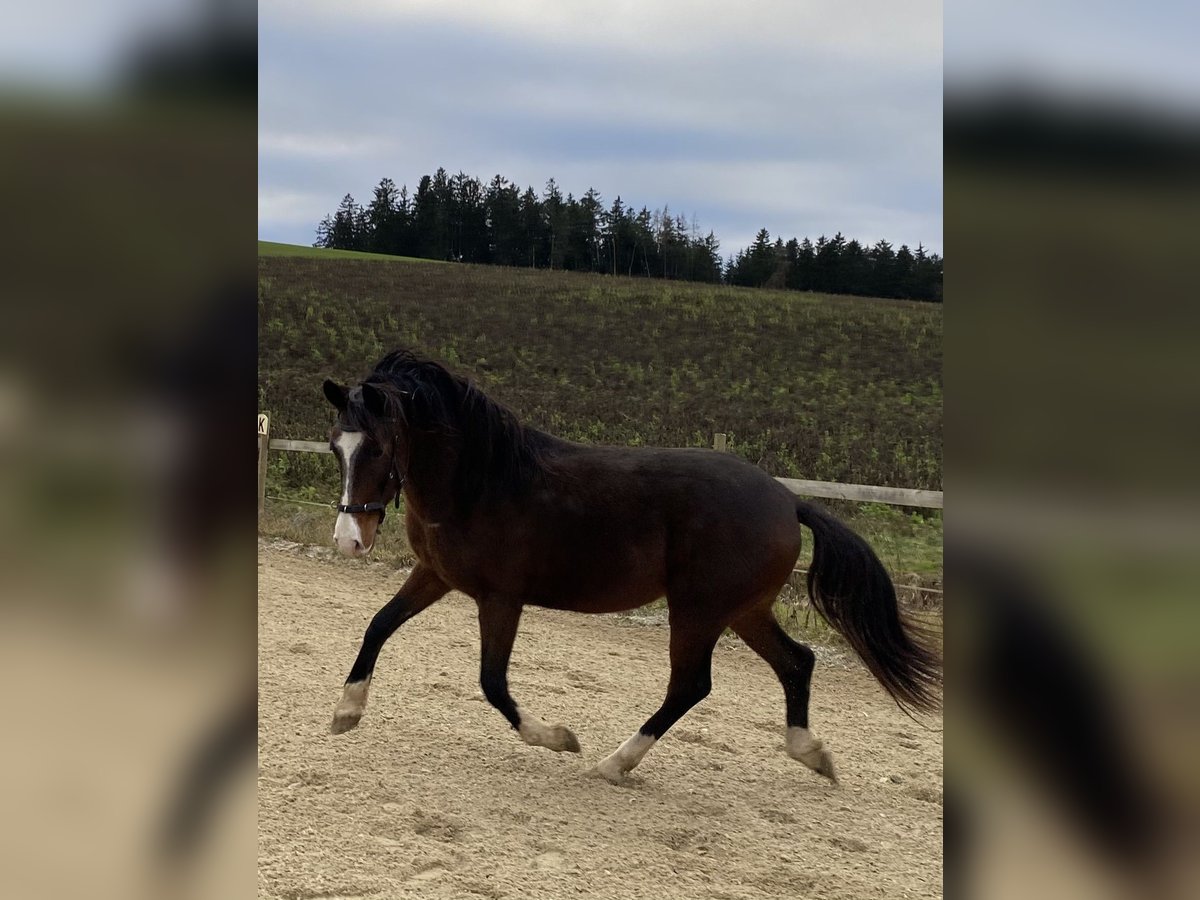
(801, 116)
(806, 117)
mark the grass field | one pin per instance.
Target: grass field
(273, 248)
(808, 386)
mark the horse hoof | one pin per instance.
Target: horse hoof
(824, 766)
(351, 707)
(564, 740)
(553, 737)
(343, 721)
(812, 753)
(820, 761)
(611, 775)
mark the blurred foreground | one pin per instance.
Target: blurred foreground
(1071, 425)
(127, 616)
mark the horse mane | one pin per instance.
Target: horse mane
(497, 453)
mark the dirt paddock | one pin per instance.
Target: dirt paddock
(433, 795)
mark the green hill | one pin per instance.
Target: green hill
(273, 248)
(812, 386)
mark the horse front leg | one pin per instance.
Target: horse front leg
(498, 620)
(422, 589)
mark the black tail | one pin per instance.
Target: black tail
(852, 591)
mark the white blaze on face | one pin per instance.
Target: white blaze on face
(345, 531)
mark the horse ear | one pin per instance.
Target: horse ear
(336, 394)
(374, 400)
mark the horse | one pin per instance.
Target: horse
(512, 516)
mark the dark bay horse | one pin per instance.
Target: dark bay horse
(511, 516)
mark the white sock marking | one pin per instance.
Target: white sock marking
(626, 757)
(351, 707)
(811, 751)
(354, 695)
(532, 729)
(800, 741)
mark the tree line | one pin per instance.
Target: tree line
(459, 218)
(837, 266)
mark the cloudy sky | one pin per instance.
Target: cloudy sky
(806, 117)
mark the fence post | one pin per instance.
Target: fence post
(719, 441)
(264, 443)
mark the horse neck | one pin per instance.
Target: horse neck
(430, 480)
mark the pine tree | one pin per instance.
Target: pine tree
(927, 275)
(618, 243)
(585, 232)
(468, 220)
(760, 259)
(554, 213)
(383, 219)
(532, 229)
(346, 229)
(883, 265)
(904, 280)
(855, 269)
(711, 259)
(503, 216)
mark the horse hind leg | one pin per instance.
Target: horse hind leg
(498, 622)
(691, 681)
(793, 665)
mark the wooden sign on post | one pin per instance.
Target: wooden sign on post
(264, 444)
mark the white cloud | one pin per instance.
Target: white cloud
(318, 145)
(875, 30)
(282, 207)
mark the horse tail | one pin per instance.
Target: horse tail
(849, 587)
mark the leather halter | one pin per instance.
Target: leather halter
(378, 506)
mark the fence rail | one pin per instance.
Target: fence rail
(866, 493)
(832, 490)
(302, 446)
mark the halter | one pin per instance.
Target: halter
(378, 505)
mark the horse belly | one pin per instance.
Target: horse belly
(599, 579)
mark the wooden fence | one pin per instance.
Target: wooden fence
(865, 493)
(832, 490)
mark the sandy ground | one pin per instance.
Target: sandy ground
(433, 795)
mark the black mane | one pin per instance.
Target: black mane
(497, 454)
